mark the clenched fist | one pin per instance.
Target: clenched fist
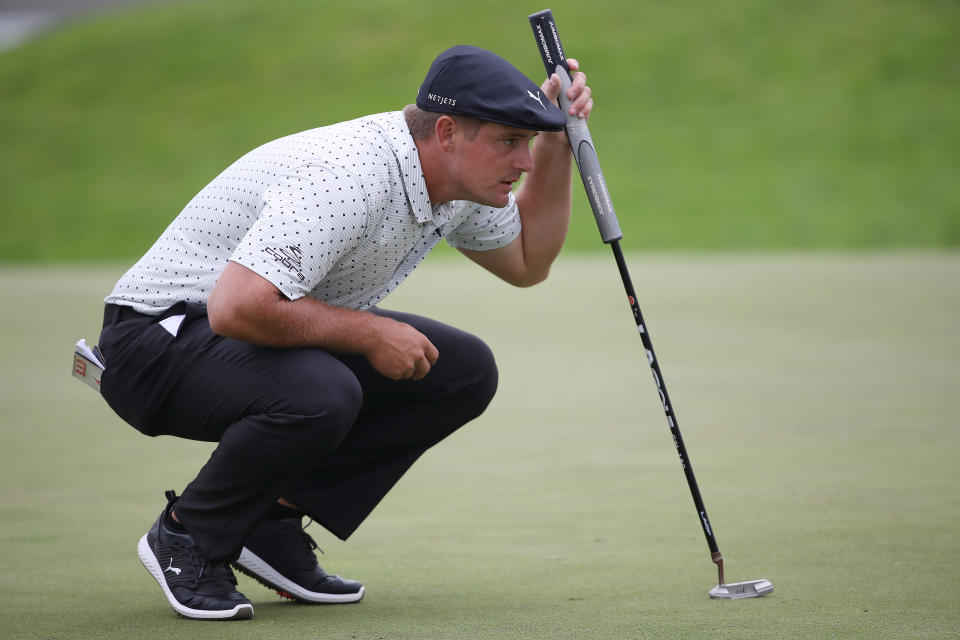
(400, 352)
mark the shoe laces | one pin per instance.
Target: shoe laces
(216, 572)
(299, 545)
(304, 539)
(207, 572)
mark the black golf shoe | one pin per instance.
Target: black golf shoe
(279, 554)
(195, 587)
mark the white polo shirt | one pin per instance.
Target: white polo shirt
(340, 213)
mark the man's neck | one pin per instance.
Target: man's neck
(434, 171)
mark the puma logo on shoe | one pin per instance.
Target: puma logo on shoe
(172, 568)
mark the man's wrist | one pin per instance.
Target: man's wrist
(554, 140)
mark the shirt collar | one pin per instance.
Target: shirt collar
(443, 212)
(408, 158)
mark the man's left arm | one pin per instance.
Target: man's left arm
(543, 199)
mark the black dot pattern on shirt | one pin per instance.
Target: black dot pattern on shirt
(340, 213)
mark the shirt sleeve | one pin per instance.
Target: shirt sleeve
(483, 228)
(310, 218)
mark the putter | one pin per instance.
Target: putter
(588, 164)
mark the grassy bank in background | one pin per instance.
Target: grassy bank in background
(743, 124)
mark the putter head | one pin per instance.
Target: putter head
(736, 590)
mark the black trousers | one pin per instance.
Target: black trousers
(324, 431)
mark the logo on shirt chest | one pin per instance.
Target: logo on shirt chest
(289, 257)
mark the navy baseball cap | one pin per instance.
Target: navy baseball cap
(475, 82)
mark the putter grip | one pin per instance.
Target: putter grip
(554, 61)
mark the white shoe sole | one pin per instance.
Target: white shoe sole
(149, 560)
(254, 566)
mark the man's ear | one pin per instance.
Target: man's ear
(445, 128)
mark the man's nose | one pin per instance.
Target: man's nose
(524, 160)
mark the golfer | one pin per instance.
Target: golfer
(253, 321)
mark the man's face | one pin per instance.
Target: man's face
(487, 165)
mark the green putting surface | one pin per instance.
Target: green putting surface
(816, 392)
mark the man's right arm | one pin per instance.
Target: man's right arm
(245, 306)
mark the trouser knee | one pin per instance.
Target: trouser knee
(489, 376)
(329, 416)
(479, 376)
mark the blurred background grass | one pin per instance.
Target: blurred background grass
(742, 124)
